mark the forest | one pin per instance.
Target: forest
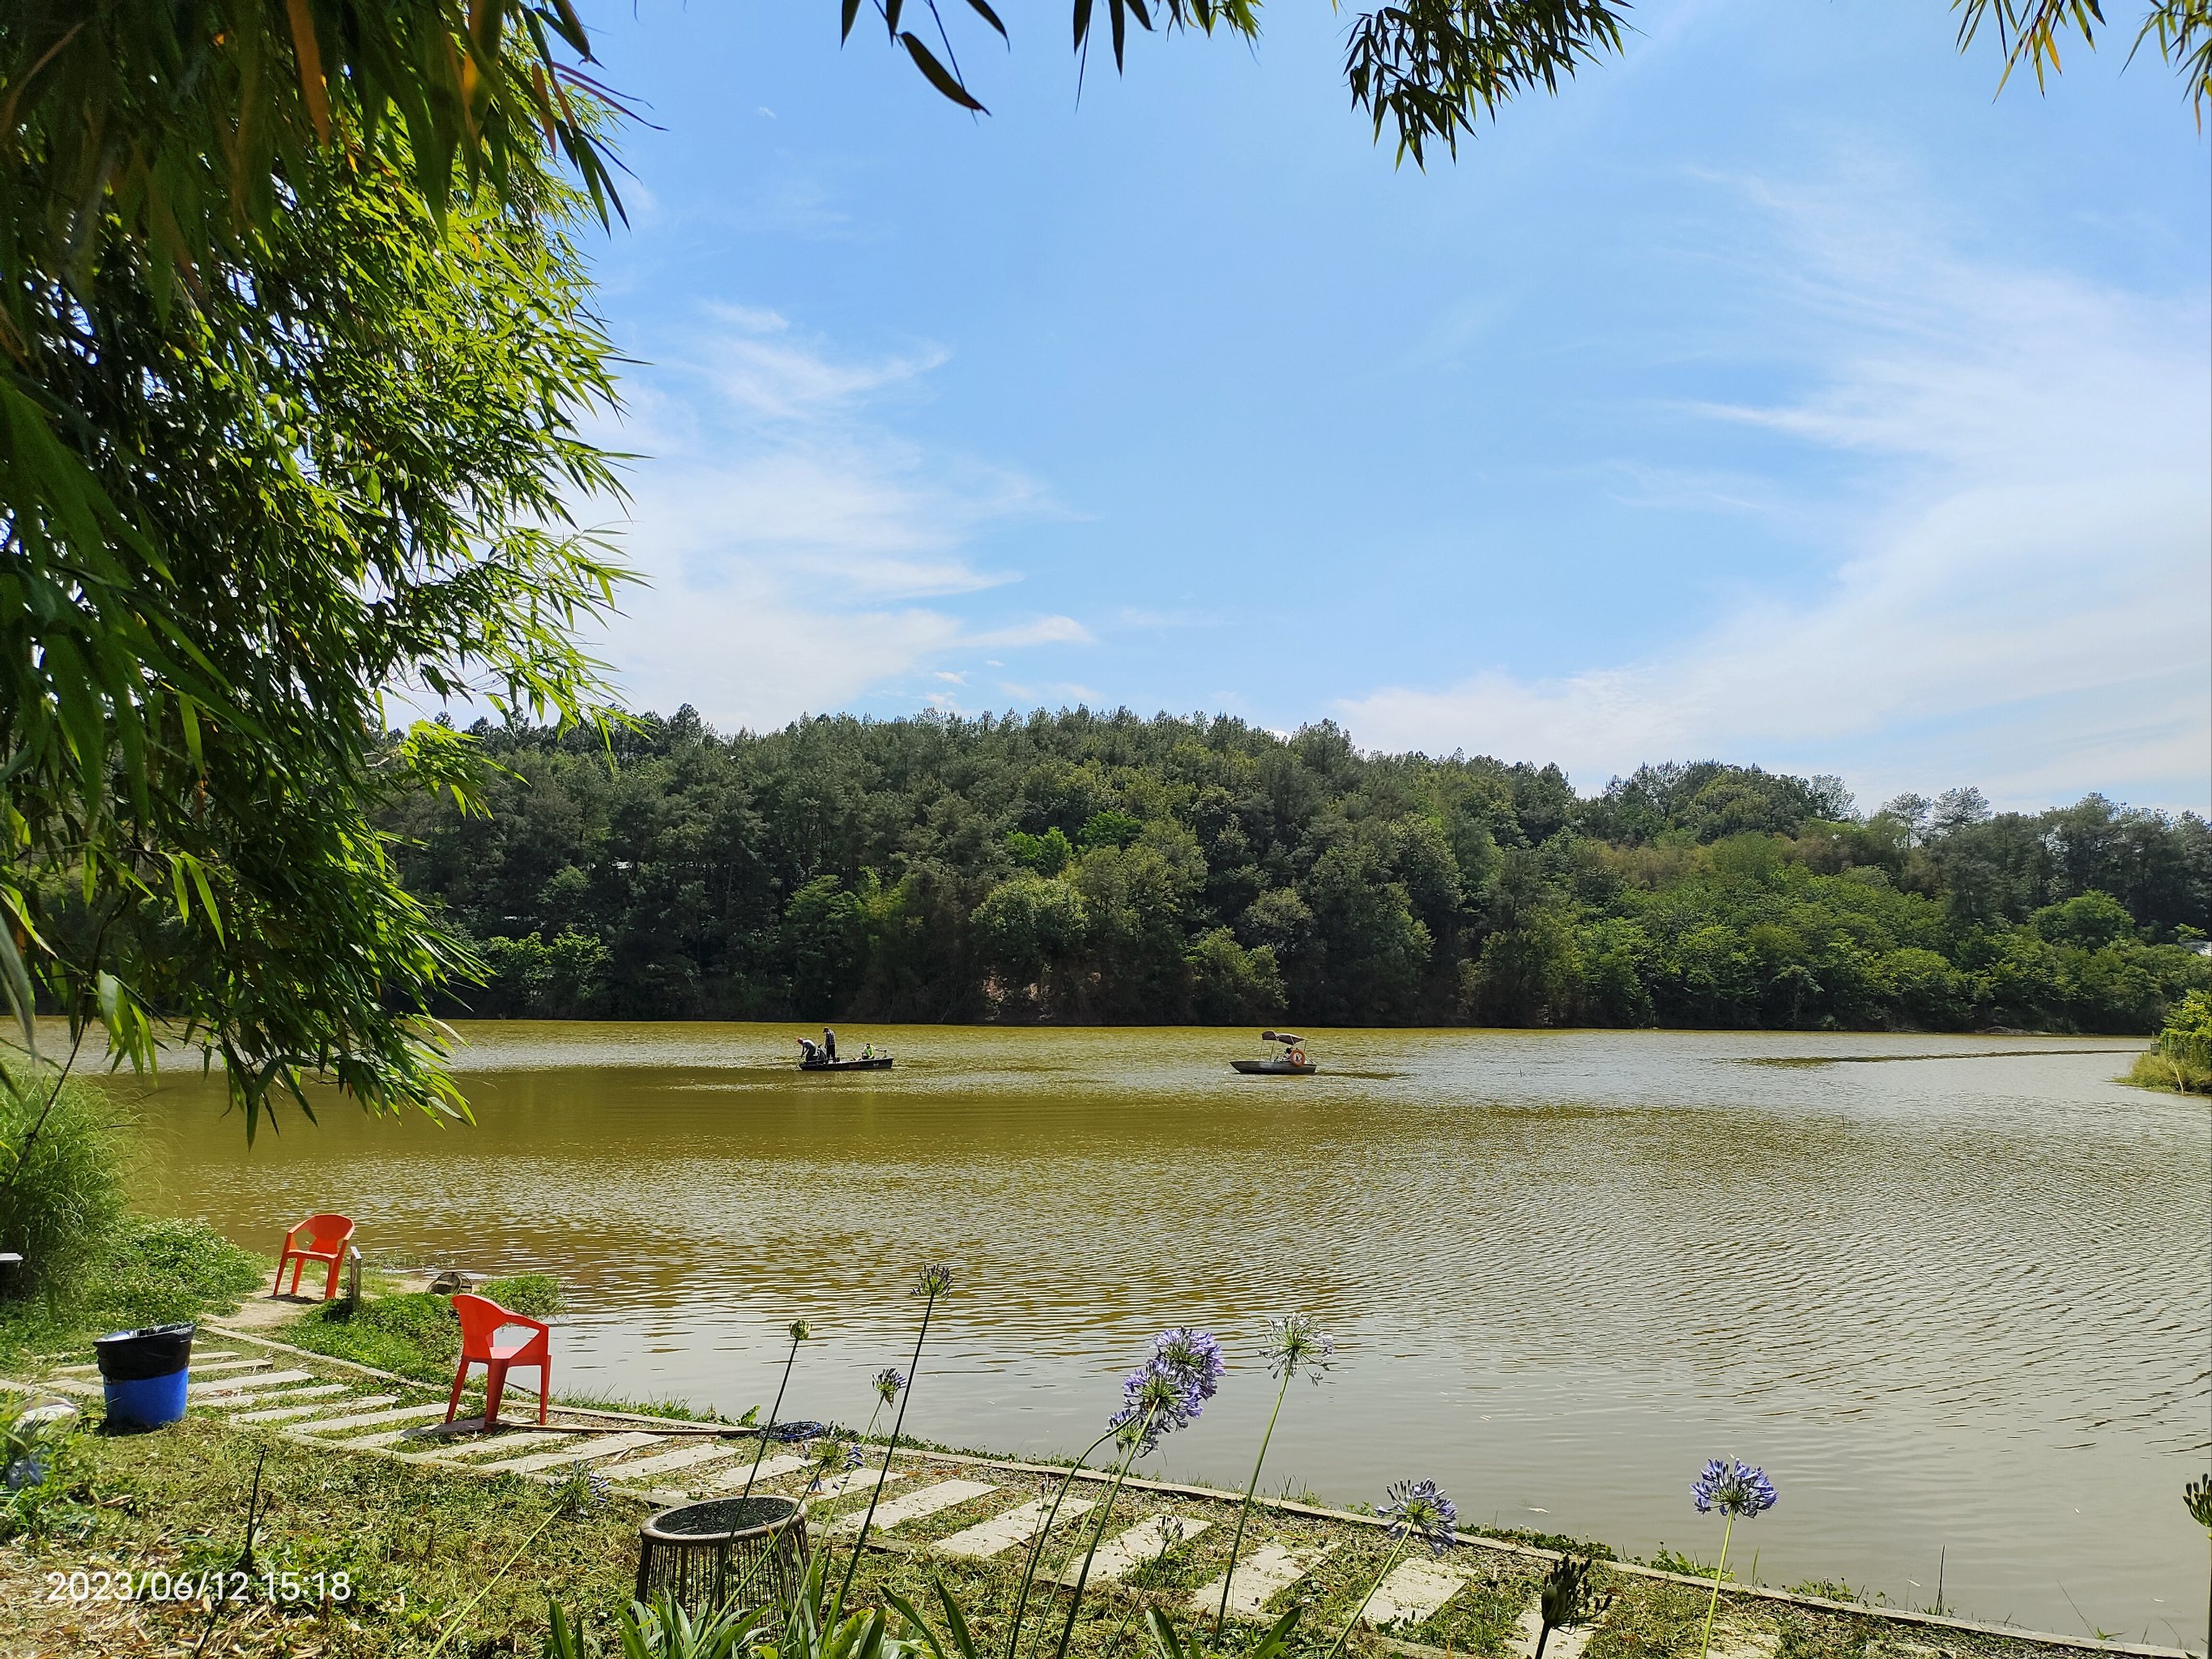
(1084, 866)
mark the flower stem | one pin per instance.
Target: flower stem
(1345, 1634)
(768, 1429)
(1244, 1510)
(1037, 1544)
(1098, 1532)
(1719, 1572)
(912, 1376)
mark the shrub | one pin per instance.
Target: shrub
(534, 1295)
(157, 1271)
(62, 1202)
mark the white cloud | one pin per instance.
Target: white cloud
(800, 554)
(2020, 596)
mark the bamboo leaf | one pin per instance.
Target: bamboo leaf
(982, 10)
(935, 73)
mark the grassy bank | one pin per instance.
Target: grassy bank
(2182, 1060)
(431, 1555)
(2156, 1069)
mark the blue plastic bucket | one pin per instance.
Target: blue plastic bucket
(148, 1402)
(146, 1373)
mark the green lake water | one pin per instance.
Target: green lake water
(1952, 1292)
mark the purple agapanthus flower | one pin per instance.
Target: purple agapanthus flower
(1194, 1355)
(1733, 1488)
(1418, 1509)
(887, 1383)
(1157, 1398)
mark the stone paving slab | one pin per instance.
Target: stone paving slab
(842, 1486)
(1017, 1526)
(1732, 1644)
(1261, 1577)
(914, 1506)
(612, 1445)
(1148, 1540)
(252, 1383)
(1413, 1591)
(74, 1388)
(685, 1458)
(333, 1426)
(734, 1477)
(286, 1413)
(513, 1444)
(1567, 1644)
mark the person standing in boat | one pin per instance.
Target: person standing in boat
(829, 1043)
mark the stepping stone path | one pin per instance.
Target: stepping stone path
(1017, 1526)
(914, 1506)
(1261, 1577)
(1148, 1540)
(1416, 1588)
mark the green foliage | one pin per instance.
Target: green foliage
(1086, 867)
(163, 1270)
(2183, 1059)
(61, 1191)
(314, 454)
(43, 1465)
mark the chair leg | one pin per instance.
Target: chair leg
(298, 1263)
(460, 1375)
(331, 1289)
(494, 1386)
(277, 1288)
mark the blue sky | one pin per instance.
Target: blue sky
(1776, 393)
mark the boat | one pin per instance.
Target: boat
(1291, 1062)
(814, 1057)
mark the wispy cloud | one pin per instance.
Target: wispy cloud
(801, 552)
(2019, 594)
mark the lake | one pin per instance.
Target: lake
(1951, 1292)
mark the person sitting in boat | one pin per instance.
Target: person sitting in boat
(808, 1054)
(829, 1043)
(867, 1051)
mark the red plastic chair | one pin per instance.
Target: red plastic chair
(327, 1236)
(481, 1320)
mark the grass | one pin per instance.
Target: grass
(2154, 1068)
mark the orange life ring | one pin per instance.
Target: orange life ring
(1296, 1056)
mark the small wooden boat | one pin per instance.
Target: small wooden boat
(814, 1057)
(1291, 1062)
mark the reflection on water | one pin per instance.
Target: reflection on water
(1956, 1307)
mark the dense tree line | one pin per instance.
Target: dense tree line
(1084, 866)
